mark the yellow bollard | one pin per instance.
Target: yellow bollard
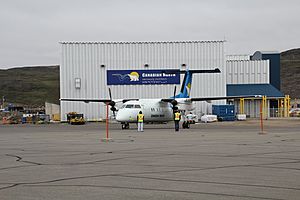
(264, 107)
(242, 105)
(288, 105)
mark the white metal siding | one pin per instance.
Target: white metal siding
(84, 59)
(247, 72)
(237, 57)
(251, 108)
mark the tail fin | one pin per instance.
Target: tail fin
(186, 85)
(187, 82)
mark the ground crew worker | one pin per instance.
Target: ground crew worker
(177, 117)
(140, 119)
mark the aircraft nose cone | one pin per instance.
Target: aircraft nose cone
(126, 116)
(121, 116)
(118, 118)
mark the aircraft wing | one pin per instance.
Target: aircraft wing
(221, 98)
(99, 100)
(212, 98)
(88, 100)
(167, 100)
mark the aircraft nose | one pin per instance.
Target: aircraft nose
(118, 117)
(121, 116)
(125, 116)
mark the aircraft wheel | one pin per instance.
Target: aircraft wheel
(187, 125)
(125, 126)
(184, 125)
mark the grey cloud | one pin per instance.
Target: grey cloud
(31, 30)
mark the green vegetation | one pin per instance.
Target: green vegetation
(30, 85)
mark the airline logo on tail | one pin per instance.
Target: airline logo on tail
(186, 86)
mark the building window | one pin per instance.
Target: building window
(77, 83)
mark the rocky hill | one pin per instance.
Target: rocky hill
(290, 73)
(30, 85)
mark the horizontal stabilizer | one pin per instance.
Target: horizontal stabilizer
(199, 71)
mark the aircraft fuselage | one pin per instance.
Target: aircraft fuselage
(154, 110)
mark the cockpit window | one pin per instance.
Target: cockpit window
(131, 106)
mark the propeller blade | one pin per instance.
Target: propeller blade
(113, 109)
(174, 91)
(112, 103)
(109, 92)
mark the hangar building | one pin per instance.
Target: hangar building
(248, 75)
(84, 65)
(84, 74)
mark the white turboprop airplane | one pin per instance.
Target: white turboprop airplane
(157, 110)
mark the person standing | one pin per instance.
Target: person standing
(140, 119)
(177, 117)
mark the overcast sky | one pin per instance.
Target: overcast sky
(30, 30)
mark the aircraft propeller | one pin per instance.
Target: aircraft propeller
(174, 102)
(112, 103)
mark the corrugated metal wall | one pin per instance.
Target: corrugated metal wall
(251, 108)
(237, 57)
(247, 71)
(83, 60)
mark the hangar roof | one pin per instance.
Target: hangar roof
(140, 42)
(253, 89)
(267, 52)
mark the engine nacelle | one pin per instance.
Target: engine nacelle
(185, 105)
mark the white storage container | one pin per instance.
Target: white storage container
(241, 117)
(209, 118)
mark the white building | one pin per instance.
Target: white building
(84, 64)
(247, 72)
(251, 77)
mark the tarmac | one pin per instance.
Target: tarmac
(222, 160)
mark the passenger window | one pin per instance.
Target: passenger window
(129, 106)
(137, 106)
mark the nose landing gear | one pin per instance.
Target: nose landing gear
(125, 125)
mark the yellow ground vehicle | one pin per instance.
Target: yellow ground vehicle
(75, 118)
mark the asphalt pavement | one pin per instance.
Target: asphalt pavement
(222, 160)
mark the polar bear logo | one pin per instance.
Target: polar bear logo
(134, 76)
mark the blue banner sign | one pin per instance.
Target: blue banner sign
(141, 77)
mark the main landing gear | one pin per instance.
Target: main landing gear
(185, 125)
(125, 126)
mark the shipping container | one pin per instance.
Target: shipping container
(224, 112)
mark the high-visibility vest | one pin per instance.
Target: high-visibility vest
(140, 117)
(177, 116)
